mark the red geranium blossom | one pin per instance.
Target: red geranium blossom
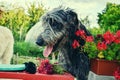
(117, 37)
(117, 40)
(89, 38)
(118, 33)
(109, 37)
(75, 44)
(117, 74)
(80, 33)
(101, 46)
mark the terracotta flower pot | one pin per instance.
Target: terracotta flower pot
(37, 76)
(103, 67)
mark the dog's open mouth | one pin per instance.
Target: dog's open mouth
(48, 50)
(51, 48)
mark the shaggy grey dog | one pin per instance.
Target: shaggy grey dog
(59, 27)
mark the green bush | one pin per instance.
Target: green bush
(17, 21)
(27, 49)
(109, 19)
(95, 31)
(35, 13)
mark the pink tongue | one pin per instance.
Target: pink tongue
(47, 50)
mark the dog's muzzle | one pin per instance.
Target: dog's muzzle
(40, 42)
(48, 48)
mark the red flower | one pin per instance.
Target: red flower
(117, 40)
(45, 67)
(118, 33)
(117, 37)
(89, 38)
(117, 73)
(109, 37)
(80, 33)
(75, 44)
(101, 46)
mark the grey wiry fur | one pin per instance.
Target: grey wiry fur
(59, 30)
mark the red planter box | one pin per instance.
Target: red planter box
(37, 76)
(103, 67)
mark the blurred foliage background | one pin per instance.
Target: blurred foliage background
(20, 21)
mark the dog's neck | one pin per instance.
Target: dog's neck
(63, 41)
(67, 56)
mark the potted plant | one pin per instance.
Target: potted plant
(101, 48)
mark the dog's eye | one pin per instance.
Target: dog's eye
(57, 26)
(54, 25)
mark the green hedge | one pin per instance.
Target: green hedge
(109, 19)
(27, 49)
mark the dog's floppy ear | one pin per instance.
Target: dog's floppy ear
(72, 17)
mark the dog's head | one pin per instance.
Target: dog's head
(57, 25)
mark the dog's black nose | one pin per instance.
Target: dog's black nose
(40, 42)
